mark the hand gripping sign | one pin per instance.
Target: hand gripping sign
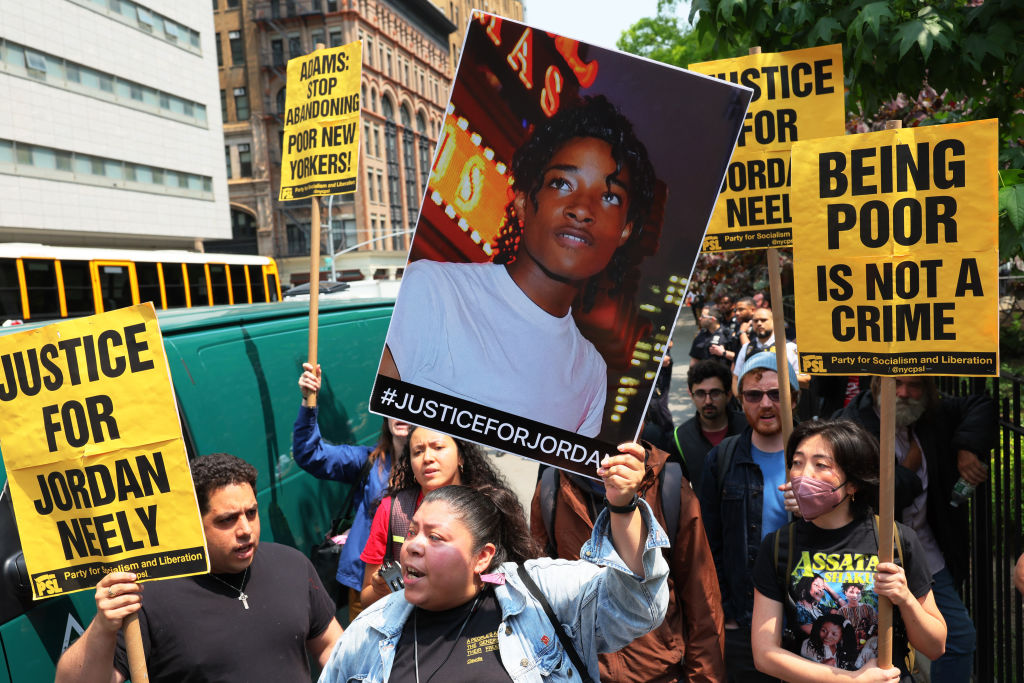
(98, 473)
(895, 243)
(798, 95)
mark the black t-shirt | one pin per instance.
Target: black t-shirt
(445, 655)
(195, 629)
(701, 346)
(826, 564)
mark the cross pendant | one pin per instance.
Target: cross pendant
(244, 598)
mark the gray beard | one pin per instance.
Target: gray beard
(907, 411)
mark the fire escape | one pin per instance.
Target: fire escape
(284, 25)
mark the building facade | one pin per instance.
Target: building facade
(110, 133)
(406, 74)
(459, 12)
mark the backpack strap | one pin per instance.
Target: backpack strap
(563, 638)
(679, 447)
(403, 505)
(550, 481)
(671, 497)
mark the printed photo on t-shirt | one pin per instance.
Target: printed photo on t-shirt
(836, 616)
(566, 204)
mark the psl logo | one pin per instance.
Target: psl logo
(813, 363)
(46, 584)
(286, 193)
(711, 243)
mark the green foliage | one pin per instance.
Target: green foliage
(968, 48)
(663, 38)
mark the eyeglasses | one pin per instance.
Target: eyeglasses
(714, 394)
(755, 395)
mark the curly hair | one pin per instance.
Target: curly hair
(803, 588)
(846, 648)
(591, 117)
(855, 451)
(217, 470)
(476, 471)
(492, 514)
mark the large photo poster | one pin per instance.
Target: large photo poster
(567, 201)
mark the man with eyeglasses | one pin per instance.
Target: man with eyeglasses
(762, 338)
(711, 390)
(741, 503)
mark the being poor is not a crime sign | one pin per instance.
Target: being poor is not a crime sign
(320, 144)
(895, 255)
(98, 473)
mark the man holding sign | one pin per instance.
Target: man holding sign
(191, 626)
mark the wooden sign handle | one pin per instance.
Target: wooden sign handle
(781, 353)
(314, 288)
(136, 653)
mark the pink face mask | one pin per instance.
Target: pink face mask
(815, 497)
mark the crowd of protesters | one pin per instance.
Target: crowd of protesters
(715, 551)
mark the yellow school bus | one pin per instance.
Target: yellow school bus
(39, 282)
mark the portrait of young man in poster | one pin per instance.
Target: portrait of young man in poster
(564, 211)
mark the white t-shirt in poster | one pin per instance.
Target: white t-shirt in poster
(467, 330)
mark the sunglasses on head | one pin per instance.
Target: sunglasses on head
(755, 395)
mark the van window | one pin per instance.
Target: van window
(219, 283)
(259, 292)
(238, 288)
(149, 284)
(197, 284)
(77, 288)
(174, 285)
(10, 292)
(41, 281)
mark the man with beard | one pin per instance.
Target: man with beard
(710, 388)
(763, 339)
(938, 440)
(741, 503)
(713, 341)
(741, 323)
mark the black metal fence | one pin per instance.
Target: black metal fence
(996, 543)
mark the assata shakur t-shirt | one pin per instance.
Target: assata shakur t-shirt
(831, 614)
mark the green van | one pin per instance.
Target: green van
(234, 370)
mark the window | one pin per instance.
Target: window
(232, 4)
(244, 161)
(174, 284)
(277, 52)
(219, 283)
(145, 19)
(10, 290)
(332, 6)
(376, 141)
(35, 62)
(149, 283)
(259, 290)
(220, 49)
(336, 39)
(115, 286)
(241, 104)
(294, 46)
(239, 292)
(197, 284)
(373, 197)
(77, 288)
(223, 104)
(227, 159)
(237, 48)
(317, 36)
(41, 283)
(214, 5)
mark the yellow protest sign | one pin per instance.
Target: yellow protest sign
(798, 95)
(895, 255)
(98, 473)
(320, 144)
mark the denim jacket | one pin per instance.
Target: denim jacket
(732, 518)
(600, 603)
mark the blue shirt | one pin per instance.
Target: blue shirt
(773, 469)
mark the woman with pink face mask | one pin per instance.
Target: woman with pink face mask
(833, 470)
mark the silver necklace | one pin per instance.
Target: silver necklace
(416, 639)
(241, 596)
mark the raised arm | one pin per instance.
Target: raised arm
(622, 475)
(90, 659)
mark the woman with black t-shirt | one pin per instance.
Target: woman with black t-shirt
(833, 467)
(476, 608)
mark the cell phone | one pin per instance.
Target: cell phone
(391, 572)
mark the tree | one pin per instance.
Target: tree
(663, 38)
